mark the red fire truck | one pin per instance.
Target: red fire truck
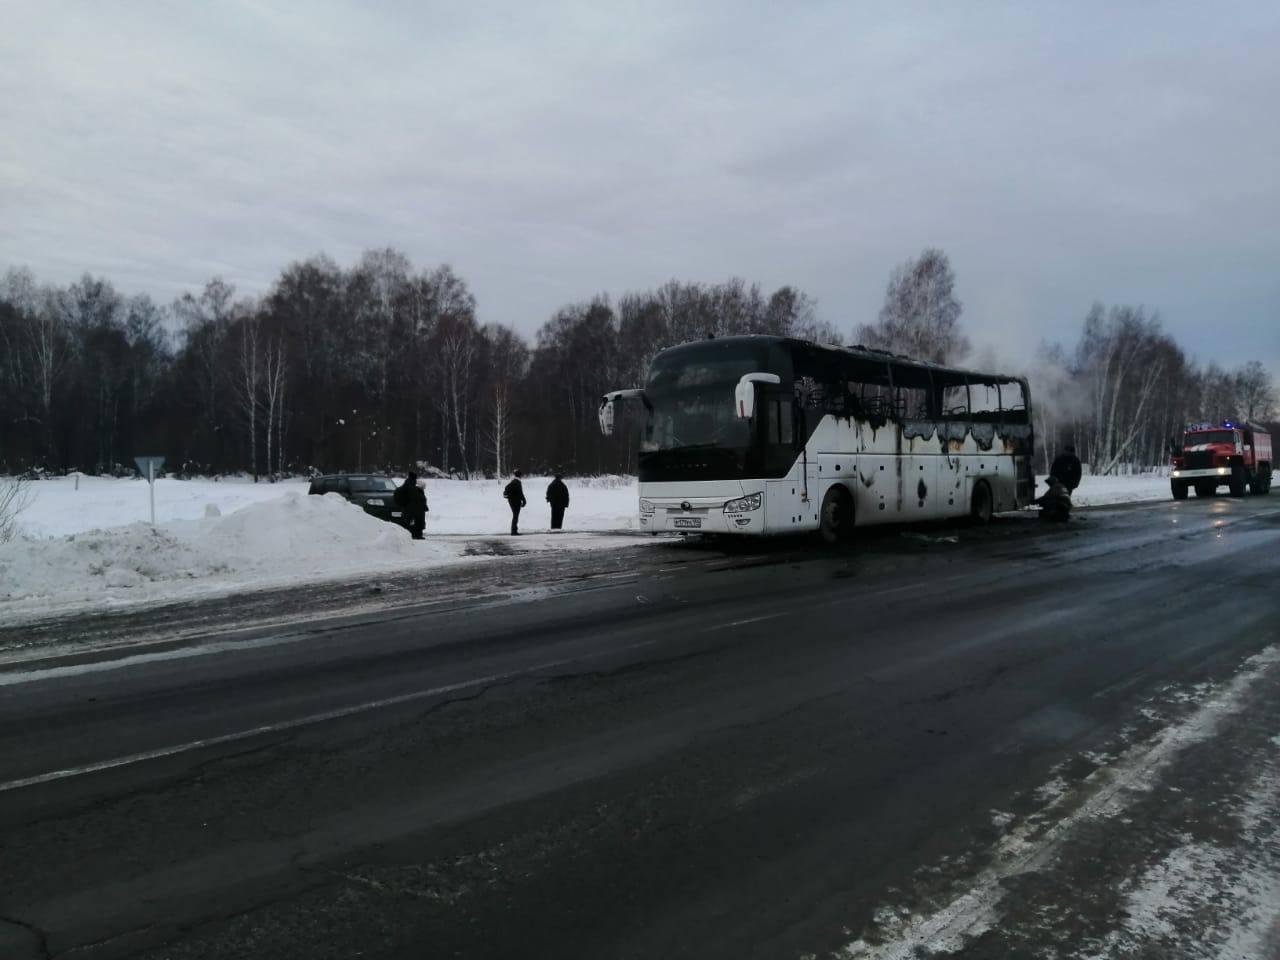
(1237, 454)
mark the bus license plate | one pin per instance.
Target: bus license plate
(687, 522)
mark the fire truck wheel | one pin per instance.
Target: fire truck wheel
(1179, 488)
(1236, 485)
(1205, 490)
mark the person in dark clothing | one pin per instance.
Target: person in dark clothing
(420, 508)
(514, 494)
(558, 497)
(1055, 504)
(412, 499)
(1066, 467)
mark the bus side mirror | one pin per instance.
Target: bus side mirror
(608, 401)
(744, 394)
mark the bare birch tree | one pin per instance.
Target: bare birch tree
(921, 315)
(248, 382)
(274, 362)
(508, 359)
(458, 350)
(1256, 396)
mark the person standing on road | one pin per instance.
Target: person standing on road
(558, 497)
(1066, 467)
(514, 494)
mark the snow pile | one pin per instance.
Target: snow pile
(62, 505)
(291, 537)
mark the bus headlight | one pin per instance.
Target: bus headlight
(745, 504)
(646, 507)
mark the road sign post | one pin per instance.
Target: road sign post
(147, 466)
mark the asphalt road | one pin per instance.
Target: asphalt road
(1014, 741)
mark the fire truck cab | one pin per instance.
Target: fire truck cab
(1235, 454)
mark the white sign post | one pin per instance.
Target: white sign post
(148, 466)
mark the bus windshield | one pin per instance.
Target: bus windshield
(692, 431)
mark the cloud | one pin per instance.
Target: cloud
(1060, 155)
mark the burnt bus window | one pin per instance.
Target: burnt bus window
(955, 401)
(869, 387)
(984, 401)
(1013, 402)
(912, 387)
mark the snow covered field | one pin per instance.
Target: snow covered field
(457, 506)
(90, 547)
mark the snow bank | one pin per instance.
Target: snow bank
(1099, 491)
(62, 507)
(457, 506)
(292, 537)
(87, 548)
(472, 507)
(80, 550)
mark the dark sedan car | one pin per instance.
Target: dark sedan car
(376, 494)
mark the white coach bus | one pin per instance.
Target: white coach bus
(771, 435)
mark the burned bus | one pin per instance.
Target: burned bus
(772, 435)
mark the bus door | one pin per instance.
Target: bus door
(783, 432)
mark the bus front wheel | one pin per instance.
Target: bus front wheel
(836, 524)
(982, 506)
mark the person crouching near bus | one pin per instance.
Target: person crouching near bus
(1055, 504)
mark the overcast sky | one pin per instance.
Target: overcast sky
(1060, 153)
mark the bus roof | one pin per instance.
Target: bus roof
(859, 351)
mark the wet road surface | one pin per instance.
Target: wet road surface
(997, 742)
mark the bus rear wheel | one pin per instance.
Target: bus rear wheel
(982, 506)
(836, 519)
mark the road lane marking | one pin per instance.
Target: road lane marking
(739, 623)
(16, 677)
(306, 721)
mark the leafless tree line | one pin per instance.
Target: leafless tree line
(365, 367)
(380, 364)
